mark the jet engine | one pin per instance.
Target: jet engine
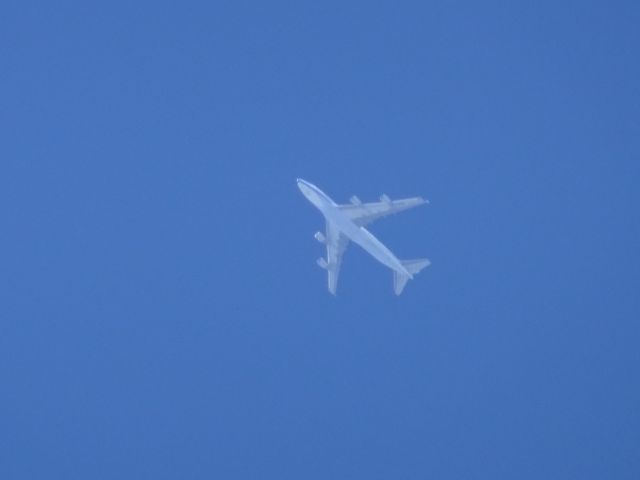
(320, 237)
(322, 263)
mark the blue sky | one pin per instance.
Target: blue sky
(161, 312)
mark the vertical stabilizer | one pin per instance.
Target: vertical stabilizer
(413, 267)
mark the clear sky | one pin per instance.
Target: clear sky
(161, 312)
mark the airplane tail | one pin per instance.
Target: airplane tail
(413, 267)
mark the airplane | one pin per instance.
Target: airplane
(346, 222)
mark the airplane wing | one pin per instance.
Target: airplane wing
(364, 213)
(336, 245)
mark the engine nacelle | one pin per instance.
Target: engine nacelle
(355, 200)
(320, 237)
(385, 199)
(322, 263)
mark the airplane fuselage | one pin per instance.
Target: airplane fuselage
(356, 234)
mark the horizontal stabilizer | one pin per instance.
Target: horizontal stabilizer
(413, 267)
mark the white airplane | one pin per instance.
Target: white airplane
(346, 222)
